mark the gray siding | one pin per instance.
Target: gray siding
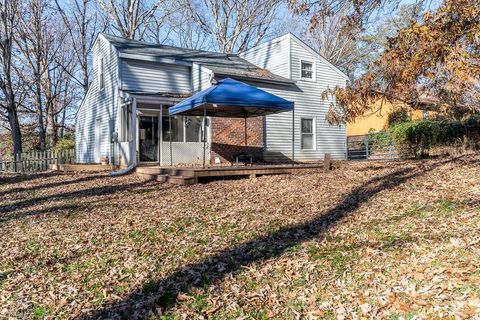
(308, 103)
(144, 76)
(272, 55)
(98, 105)
(200, 77)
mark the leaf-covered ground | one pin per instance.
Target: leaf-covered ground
(397, 240)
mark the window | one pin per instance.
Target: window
(307, 134)
(127, 123)
(307, 70)
(101, 77)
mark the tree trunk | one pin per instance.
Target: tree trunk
(15, 130)
(62, 128)
(53, 128)
(41, 125)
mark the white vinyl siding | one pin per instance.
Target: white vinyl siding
(98, 105)
(273, 56)
(200, 77)
(307, 97)
(154, 77)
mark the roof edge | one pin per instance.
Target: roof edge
(318, 55)
(255, 79)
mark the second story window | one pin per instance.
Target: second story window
(101, 76)
(307, 71)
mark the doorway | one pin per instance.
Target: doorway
(148, 138)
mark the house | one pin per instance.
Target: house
(124, 115)
(377, 120)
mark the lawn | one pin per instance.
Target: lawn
(394, 240)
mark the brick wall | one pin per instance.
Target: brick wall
(228, 138)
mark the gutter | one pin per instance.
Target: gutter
(150, 58)
(255, 79)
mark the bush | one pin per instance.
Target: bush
(416, 139)
(64, 144)
(397, 117)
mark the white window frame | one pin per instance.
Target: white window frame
(314, 133)
(101, 75)
(314, 74)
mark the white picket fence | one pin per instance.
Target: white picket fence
(35, 161)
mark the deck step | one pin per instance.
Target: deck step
(162, 178)
(180, 180)
(147, 176)
(149, 170)
(162, 171)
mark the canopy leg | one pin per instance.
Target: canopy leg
(170, 135)
(293, 137)
(246, 148)
(204, 133)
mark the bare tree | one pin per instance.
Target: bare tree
(8, 22)
(331, 39)
(57, 87)
(130, 18)
(349, 47)
(83, 23)
(360, 11)
(234, 25)
(35, 42)
(179, 29)
(50, 55)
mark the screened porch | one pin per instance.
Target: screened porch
(153, 130)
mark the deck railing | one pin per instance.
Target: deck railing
(35, 161)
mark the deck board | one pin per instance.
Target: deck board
(225, 171)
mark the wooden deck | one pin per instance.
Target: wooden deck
(186, 175)
(81, 167)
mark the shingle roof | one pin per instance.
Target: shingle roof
(219, 63)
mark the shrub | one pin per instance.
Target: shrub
(378, 140)
(416, 139)
(397, 117)
(64, 144)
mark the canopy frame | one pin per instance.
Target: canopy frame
(232, 99)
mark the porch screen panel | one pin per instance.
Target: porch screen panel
(185, 153)
(193, 129)
(177, 129)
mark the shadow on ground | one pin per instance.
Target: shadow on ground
(46, 185)
(20, 209)
(216, 267)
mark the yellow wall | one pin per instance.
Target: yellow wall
(377, 120)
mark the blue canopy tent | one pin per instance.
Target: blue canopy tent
(232, 99)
